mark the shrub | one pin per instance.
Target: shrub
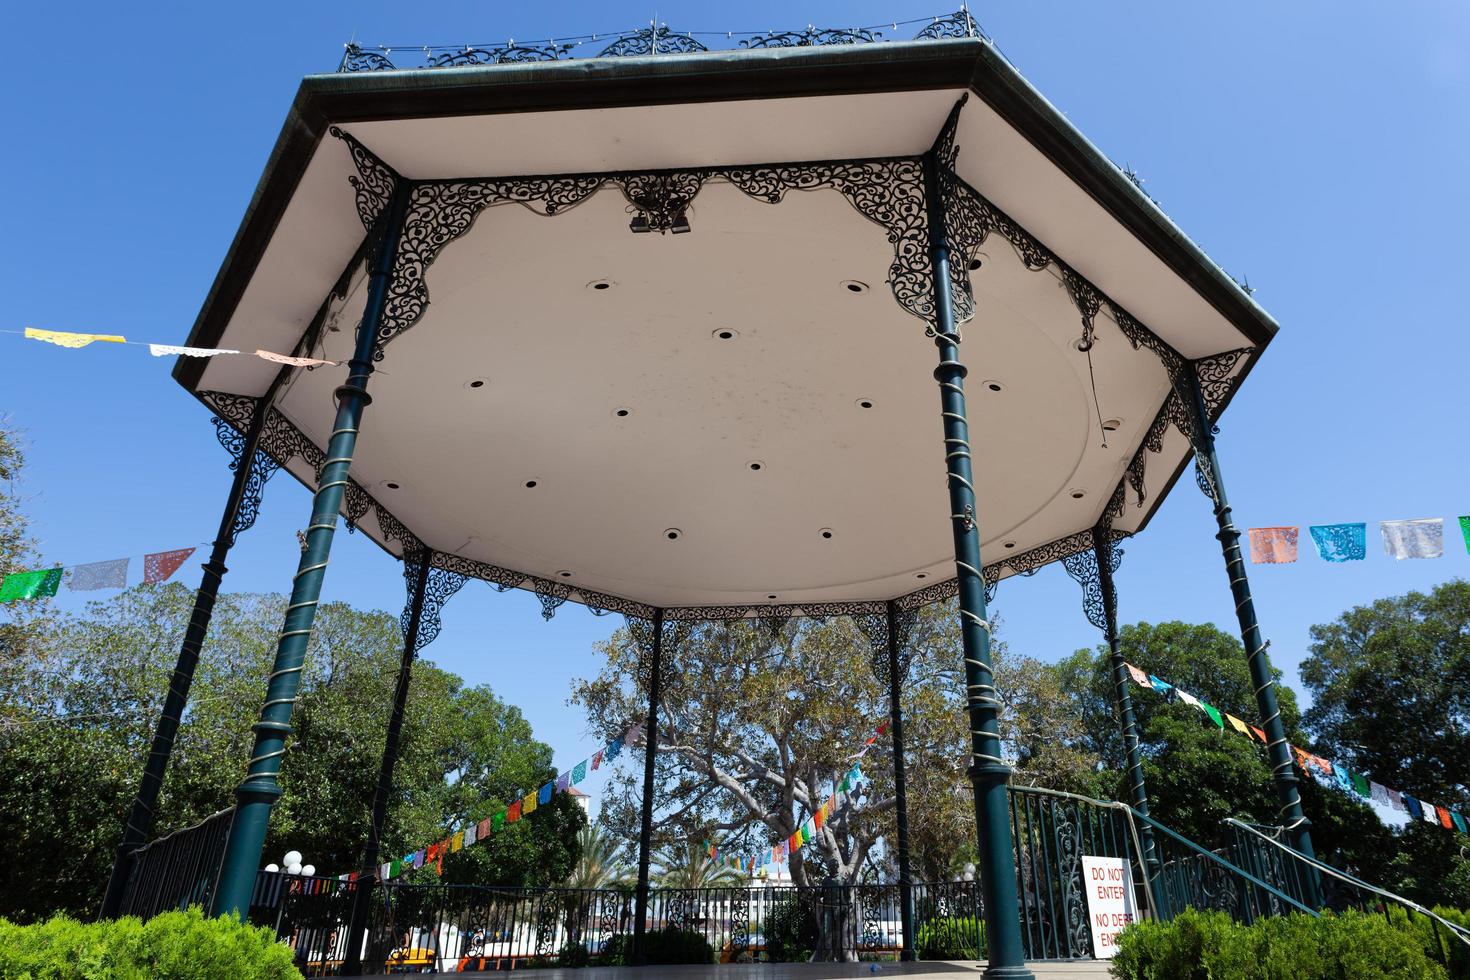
(673, 946)
(617, 950)
(573, 955)
(1211, 946)
(960, 937)
(174, 945)
(790, 931)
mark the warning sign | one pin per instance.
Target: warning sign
(1109, 886)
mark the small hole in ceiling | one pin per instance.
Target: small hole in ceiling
(564, 573)
(1009, 544)
(1112, 425)
(530, 484)
(865, 403)
(995, 386)
(756, 465)
(826, 532)
(1077, 494)
(476, 383)
(726, 333)
(974, 264)
(854, 286)
(673, 534)
(600, 284)
(622, 413)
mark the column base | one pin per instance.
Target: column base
(1008, 973)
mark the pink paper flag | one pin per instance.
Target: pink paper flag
(161, 566)
(266, 355)
(1273, 545)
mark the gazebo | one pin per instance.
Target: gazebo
(814, 327)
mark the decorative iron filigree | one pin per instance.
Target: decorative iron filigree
(875, 628)
(651, 40)
(814, 610)
(957, 24)
(438, 588)
(374, 182)
(669, 643)
(262, 466)
(739, 922)
(507, 54)
(354, 58)
(355, 504)
(1218, 377)
(1083, 568)
(659, 200)
(393, 529)
(812, 37)
(1067, 834)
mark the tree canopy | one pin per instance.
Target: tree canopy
(81, 699)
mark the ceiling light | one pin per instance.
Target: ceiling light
(392, 486)
(1077, 494)
(622, 413)
(854, 286)
(600, 284)
(564, 573)
(673, 533)
(1008, 544)
(475, 383)
(994, 386)
(680, 224)
(530, 484)
(826, 532)
(756, 465)
(726, 333)
(865, 403)
(1112, 425)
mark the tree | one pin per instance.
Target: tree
(82, 700)
(688, 865)
(600, 860)
(758, 724)
(1390, 684)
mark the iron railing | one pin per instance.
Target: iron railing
(178, 870)
(440, 927)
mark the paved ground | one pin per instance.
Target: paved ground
(811, 971)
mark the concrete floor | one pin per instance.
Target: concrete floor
(809, 971)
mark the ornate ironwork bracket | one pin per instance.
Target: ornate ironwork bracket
(438, 589)
(651, 40)
(230, 430)
(875, 628)
(812, 37)
(675, 635)
(1083, 568)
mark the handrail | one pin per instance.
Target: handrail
(1134, 814)
(1460, 932)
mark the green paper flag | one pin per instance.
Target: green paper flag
(30, 585)
(498, 821)
(394, 869)
(579, 773)
(1465, 531)
(1360, 785)
(1214, 714)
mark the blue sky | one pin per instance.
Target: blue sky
(1317, 148)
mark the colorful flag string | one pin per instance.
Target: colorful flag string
(519, 809)
(1323, 770)
(158, 567)
(1337, 543)
(76, 341)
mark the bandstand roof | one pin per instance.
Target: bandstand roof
(800, 458)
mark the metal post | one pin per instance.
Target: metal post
(988, 772)
(357, 924)
(1298, 827)
(256, 795)
(645, 832)
(1129, 724)
(900, 789)
(139, 824)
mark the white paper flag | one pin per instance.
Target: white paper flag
(98, 575)
(1423, 538)
(169, 350)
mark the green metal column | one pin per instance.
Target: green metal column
(900, 788)
(988, 772)
(357, 920)
(645, 830)
(256, 795)
(139, 824)
(1102, 549)
(1298, 827)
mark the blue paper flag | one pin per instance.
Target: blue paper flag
(544, 796)
(1340, 542)
(1163, 687)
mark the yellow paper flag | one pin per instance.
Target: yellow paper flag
(1237, 724)
(63, 339)
(528, 804)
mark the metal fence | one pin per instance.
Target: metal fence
(178, 870)
(439, 927)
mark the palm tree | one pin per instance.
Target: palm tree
(689, 866)
(601, 863)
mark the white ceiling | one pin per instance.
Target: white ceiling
(511, 304)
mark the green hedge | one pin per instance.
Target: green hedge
(1212, 946)
(951, 938)
(171, 946)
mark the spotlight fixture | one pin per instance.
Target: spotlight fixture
(680, 225)
(639, 225)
